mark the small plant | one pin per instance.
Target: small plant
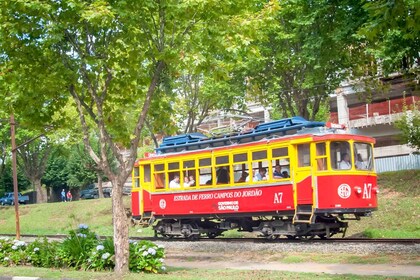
(42, 253)
(101, 257)
(146, 256)
(75, 249)
(12, 252)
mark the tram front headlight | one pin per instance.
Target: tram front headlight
(358, 189)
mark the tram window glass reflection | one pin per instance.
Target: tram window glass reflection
(146, 173)
(240, 168)
(340, 155)
(304, 155)
(363, 156)
(205, 174)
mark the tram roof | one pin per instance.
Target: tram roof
(197, 141)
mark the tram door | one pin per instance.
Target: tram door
(303, 178)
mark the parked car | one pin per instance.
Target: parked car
(92, 192)
(9, 199)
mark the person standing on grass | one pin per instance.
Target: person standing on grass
(69, 196)
(63, 195)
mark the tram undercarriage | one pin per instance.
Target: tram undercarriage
(324, 227)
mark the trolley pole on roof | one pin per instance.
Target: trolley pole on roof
(14, 168)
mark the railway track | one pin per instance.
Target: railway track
(406, 241)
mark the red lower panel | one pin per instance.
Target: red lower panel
(222, 201)
(135, 203)
(347, 191)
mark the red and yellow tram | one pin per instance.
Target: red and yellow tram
(290, 177)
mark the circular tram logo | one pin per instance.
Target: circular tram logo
(344, 191)
(162, 204)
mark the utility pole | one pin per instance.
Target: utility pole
(14, 168)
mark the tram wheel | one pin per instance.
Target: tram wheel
(291, 237)
(193, 237)
(272, 236)
(212, 235)
(306, 237)
(323, 236)
(167, 236)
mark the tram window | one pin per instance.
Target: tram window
(159, 176)
(240, 157)
(222, 175)
(173, 165)
(304, 156)
(240, 173)
(363, 156)
(205, 162)
(188, 164)
(280, 157)
(146, 173)
(222, 160)
(321, 156)
(159, 167)
(279, 152)
(159, 180)
(257, 155)
(205, 171)
(260, 171)
(340, 155)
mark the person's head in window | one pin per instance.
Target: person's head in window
(261, 175)
(345, 162)
(277, 172)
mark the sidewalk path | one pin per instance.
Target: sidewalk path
(356, 269)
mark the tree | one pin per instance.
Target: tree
(392, 35)
(303, 54)
(111, 58)
(33, 158)
(409, 124)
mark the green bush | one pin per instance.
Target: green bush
(146, 256)
(82, 249)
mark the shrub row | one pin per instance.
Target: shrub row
(82, 249)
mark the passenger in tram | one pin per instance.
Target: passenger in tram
(174, 184)
(186, 181)
(360, 163)
(345, 162)
(222, 176)
(261, 175)
(285, 174)
(192, 181)
(243, 177)
(277, 174)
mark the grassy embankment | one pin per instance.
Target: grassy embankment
(397, 216)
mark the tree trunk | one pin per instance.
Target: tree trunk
(120, 223)
(100, 188)
(41, 193)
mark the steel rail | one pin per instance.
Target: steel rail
(247, 240)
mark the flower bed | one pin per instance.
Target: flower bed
(82, 249)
